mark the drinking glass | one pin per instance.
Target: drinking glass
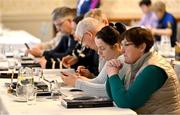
(31, 95)
(24, 81)
(12, 67)
(2, 52)
(55, 89)
(37, 73)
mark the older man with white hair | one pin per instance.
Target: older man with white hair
(102, 18)
(86, 31)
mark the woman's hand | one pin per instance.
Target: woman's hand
(69, 79)
(113, 66)
(84, 72)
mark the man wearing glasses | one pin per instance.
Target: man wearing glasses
(62, 19)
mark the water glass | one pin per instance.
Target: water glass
(2, 52)
(12, 67)
(31, 95)
(37, 73)
(25, 82)
(165, 46)
(55, 89)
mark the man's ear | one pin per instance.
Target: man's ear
(88, 34)
(69, 20)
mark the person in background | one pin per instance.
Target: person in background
(74, 50)
(38, 49)
(150, 85)
(166, 23)
(63, 17)
(97, 14)
(149, 19)
(83, 6)
(108, 42)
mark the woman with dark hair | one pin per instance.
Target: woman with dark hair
(150, 85)
(108, 42)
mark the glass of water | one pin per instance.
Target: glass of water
(12, 67)
(31, 95)
(38, 73)
(25, 81)
(55, 89)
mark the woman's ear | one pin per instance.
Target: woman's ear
(142, 47)
(117, 46)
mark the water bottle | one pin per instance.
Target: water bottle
(165, 46)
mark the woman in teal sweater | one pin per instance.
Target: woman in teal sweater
(150, 80)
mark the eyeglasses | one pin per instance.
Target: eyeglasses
(59, 24)
(85, 36)
(127, 44)
(82, 39)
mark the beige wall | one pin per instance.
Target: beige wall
(31, 15)
(0, 11)
(34, 15)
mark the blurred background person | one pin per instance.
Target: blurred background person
(63, 23)
(149, 19)
(97, 14)
(84, 6)
(166, 23)
(38, 49)
(74, 50)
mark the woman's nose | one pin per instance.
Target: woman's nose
(123, 50)
(99, 52)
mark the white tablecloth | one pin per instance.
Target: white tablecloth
(13, 42)
(17, 37)
(46, 106)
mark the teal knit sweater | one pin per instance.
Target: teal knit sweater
(146, 83)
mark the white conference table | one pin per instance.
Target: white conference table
(17, 37)
(46, 106)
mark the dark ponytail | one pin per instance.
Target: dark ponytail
(120, 27)
(111, 34)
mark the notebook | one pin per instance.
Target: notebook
(86, 102)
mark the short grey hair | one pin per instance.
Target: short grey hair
(87, 24)
(62, 12)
